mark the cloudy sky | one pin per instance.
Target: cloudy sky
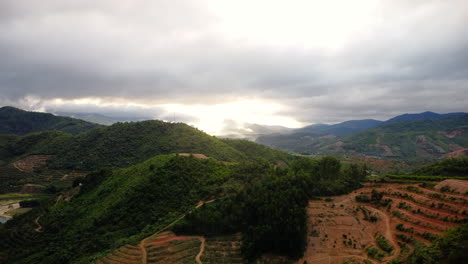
(219, 63)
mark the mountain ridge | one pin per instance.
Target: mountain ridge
(20, 122)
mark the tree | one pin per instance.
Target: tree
(329, 168)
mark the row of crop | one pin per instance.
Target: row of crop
(422, 177)
(406, 218)
(223, 249)
(426, 235)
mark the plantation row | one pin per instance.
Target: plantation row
(417, 218)
(166, 247)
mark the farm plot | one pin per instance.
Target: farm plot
(127, 254)
(380, 223)
(223, 249)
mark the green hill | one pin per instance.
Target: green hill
(115, 208)
(447, 167)
(425, 139)
(20, 122)
(119, 145)
(257, 151)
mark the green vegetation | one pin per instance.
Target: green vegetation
(272, 207)
(22, 196)
(255, 151)
(115, 208)
(397, 140)
(419, 178)
(383, 243)
(124, 144)
(447, 167)
(451, 249)
(20, 122)
(375, 253)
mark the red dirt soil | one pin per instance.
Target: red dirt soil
(339, 233)
(451, 134)
(460, 186)
(196, 155)
(458, 153)
(29, 163)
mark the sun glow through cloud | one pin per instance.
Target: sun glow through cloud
(212, 117)
(209, 118)
(218, 64)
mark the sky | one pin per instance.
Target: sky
(220, 64)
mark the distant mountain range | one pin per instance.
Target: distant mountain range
(118, 145)
(20, 122)
(426, 135)
(425, 115)
(103, 119)
(340, 129)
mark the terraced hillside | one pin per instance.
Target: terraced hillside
(30, 174)
(380, 223)
(167, 247)
(223, 249)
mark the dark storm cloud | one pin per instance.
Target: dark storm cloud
(157, 52)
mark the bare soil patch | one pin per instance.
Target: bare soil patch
(29, 163)
(460, 186)
(196, 155)
(341, 229)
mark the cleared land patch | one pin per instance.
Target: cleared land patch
(380, 223)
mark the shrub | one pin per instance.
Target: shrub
(383, 243)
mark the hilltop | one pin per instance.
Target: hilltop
(53, 158)
(20, 122)
(120, 145)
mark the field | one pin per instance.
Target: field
(223, 249)
(31, 174)
(381, 222)
(167, 247)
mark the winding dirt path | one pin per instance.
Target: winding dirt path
(39, 227)
(144, 242)
(202, 249)
(143, 251)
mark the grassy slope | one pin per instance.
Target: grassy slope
(20, 122)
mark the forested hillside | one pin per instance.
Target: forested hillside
(119, 145)
(114, 208)
(426, 139)
(20, 122)
(447, 167)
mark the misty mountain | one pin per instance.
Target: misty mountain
(104, 119)
(425, 115)
(414, 139)
(21, 122)
(340, 129)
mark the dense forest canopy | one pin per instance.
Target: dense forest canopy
(20, 122)
(123, 206)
